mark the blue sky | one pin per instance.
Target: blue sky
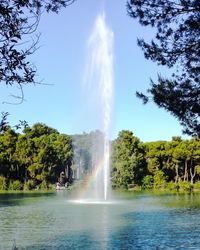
(60, 61)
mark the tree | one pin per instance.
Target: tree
(128, 162)
(35, 157)
(3, 121)
(7, 148)
(194, 150)
(176, 44)
(19, 20)
(158, 156)
(39, 129)
(23, 156)
(64, 152)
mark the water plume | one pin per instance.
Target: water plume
(98, 81)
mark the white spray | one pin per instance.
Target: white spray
(99, 76)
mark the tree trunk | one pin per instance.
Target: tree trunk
(186, 172)
(192, 174)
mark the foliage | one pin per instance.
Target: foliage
(159, 179)
(159, 164)
(19, 20)
(185, 186)
(15, 185)
(128, 163)
(197, 185)
(147, 182)
(43, 185)
(176, 44)
(35, 159)
(3, 121)
(172, 186)
(29, 185)
(3, 184)
(37, 156)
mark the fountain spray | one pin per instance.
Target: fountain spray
(99, 76)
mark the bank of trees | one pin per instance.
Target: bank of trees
(154, 164)
(34, 158)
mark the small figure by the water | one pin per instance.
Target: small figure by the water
(62, 182)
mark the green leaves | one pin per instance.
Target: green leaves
(176, 45)
(38, 155)
(128, 163)
(19, 20)
(154, 164)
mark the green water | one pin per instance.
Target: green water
(131, 221)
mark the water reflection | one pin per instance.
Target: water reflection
(140, 221)
(13, 199)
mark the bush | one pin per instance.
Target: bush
(185, 186)
(51, 186)
(159, 179)
(172, 186)
(197, 185)
(29, 185)
(3, 185)
(43, 185)
(147, 182)
(15, 185)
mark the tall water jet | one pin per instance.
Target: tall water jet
(99, 81)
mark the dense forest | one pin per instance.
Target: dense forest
(162, 164)
(36, 157)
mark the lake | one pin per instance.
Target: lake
(131, 221)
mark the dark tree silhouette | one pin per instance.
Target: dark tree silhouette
(3, 122)
(176, 44)
(19, 20)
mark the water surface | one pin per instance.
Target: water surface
(132, 221)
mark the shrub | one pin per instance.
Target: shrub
(185, 186)
(43, 185)
(15, 185)
(147, 182)
(29, 185)
(172, 186)
(159, 179)
(3, 185)
(51, 186)
(197, 185)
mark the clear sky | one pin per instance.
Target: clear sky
(60, 61)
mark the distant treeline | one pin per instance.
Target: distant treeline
(171, 164)
(35, 158)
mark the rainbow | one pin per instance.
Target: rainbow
(90, 179)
